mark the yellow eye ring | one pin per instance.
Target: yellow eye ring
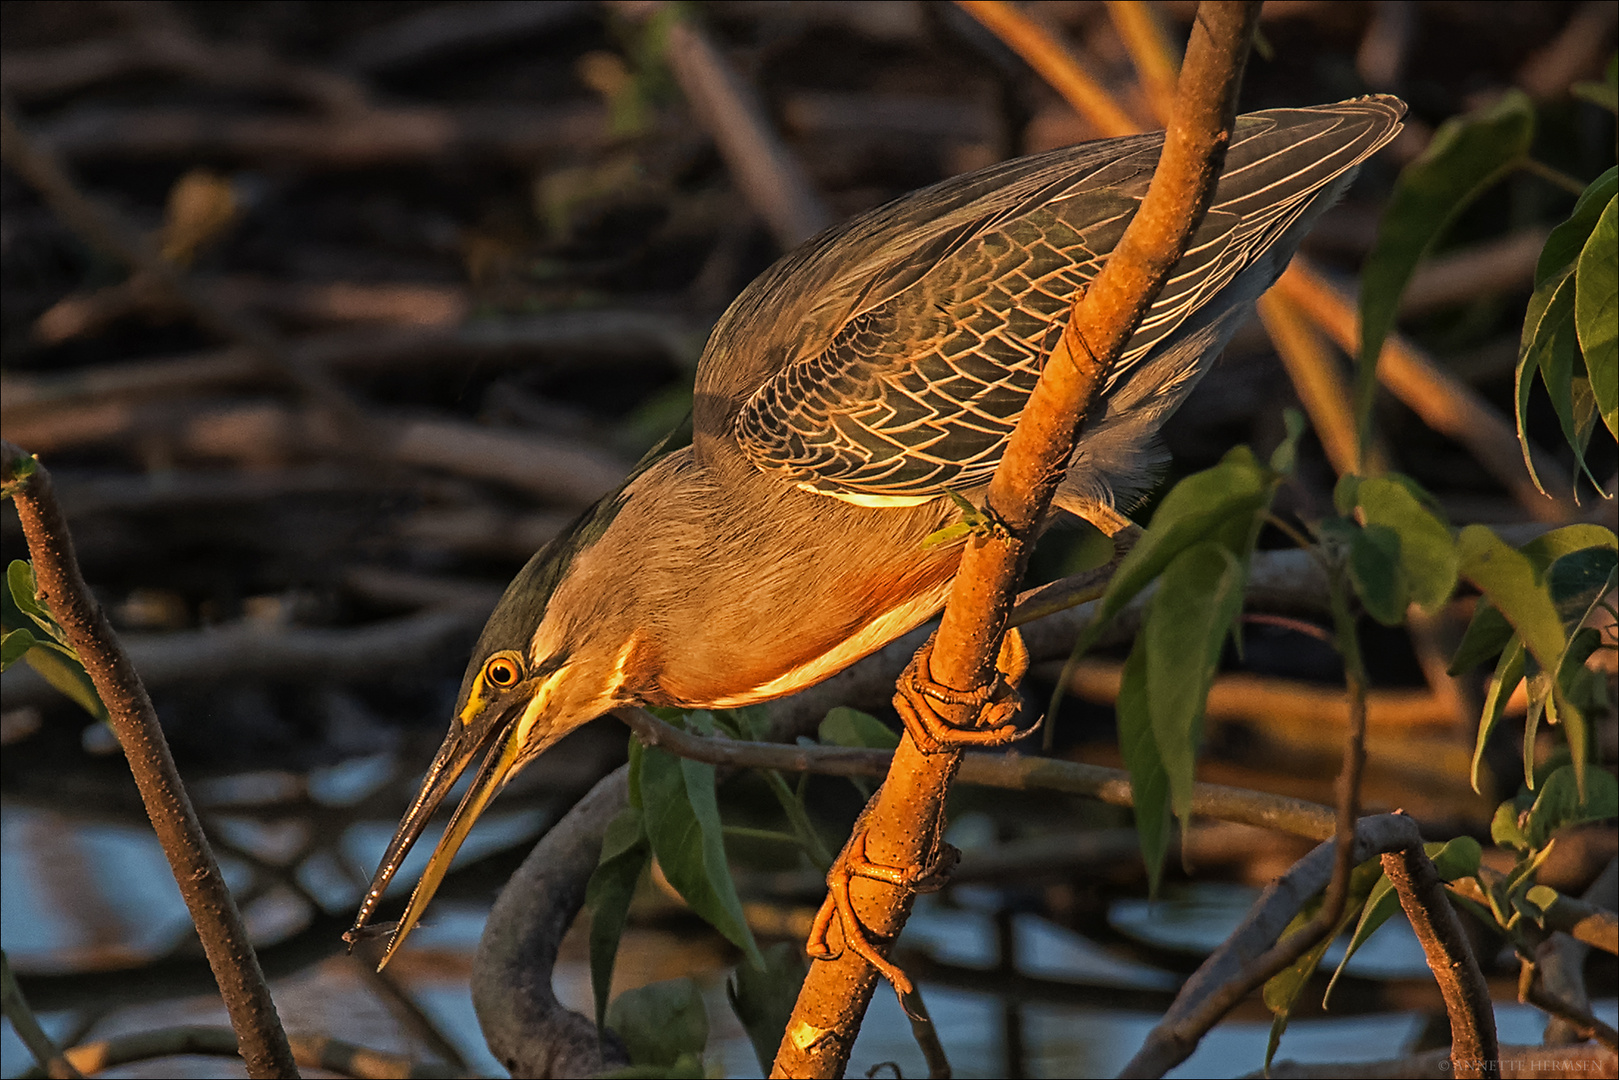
(502, 672)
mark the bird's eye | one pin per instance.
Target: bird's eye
(502, 671)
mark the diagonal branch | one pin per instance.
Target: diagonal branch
(219, 924)
(902, 821)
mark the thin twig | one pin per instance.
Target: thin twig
(771, 179)
(219, 923)
(1011, 771)
(311, 1051)
(1252, 954)
(26, 1025)
(1473, 1048)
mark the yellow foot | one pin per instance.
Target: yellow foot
(996, 703)
(853, 863)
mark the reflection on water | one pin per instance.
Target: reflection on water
(78, 895)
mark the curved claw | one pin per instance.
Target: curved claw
(996, 703)
(854, 863)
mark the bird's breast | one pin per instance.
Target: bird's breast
(830, 629)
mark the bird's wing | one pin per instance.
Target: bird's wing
(907, 376)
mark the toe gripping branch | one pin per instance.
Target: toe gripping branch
(996, 704)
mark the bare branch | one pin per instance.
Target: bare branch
(1473, 1048)
(219, 924)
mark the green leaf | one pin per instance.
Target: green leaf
(1457, 858)
(1547, 346)
(1221, 504)
(1149, 783)
(1487, 634)
(1286, 455)
(1197, 601)
(1578, 580)
(1564, 244)
(1381, 905)
(1282, 990)
(1346, 493)
(1560, 805)
(1506, 829)
(1547, 548)
(63, 671)
(763, 999)
(24, 593)
(1378, 574)
(683, 825)
(1508, 674)
(1599, 94)
(1466, 156)
(660, 1023)
(625, 854)
(1427, 552)
(13, 646)
(1511, 581)
(844, 726)
(1596, 312)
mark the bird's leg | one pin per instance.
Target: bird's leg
(995, 703)
(852, 863)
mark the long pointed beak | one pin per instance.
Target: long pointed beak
(452, 759)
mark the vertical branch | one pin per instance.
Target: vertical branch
(905, 815)
(263, 1043)
(1473, 1049)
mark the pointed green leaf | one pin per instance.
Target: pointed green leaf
(1378, 574)
(1509, 578)
(13, 646)
(1547, 347)
(1198, 599)
(683, 825)
(1565, 243)
(660, 1023)
(1221, 504)
(1508, 674)
(1560, 804)
(1380, 907)
(1427, 552)
(1466, 156)
(1149, 783)
(1487, 634)
(851, 727)
(764, 999)
(60, 668)
(1596, 312)
(1282, 990)
(625, 854)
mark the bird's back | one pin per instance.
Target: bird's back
(887, 359)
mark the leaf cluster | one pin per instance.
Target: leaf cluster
(673, 818)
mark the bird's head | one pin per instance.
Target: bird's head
(544, 665)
